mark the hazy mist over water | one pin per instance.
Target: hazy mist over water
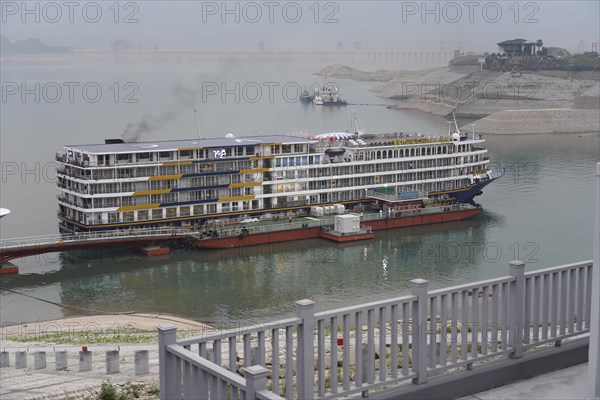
(539, 212)
(304, 25)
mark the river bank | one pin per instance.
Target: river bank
(96, 329)
(547, 102)
(522, 122)
(126, 333)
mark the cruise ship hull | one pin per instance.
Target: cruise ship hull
(464, 195)
(311, 233)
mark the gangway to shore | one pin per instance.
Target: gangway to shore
(27, 246)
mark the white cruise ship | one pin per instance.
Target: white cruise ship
(188, 182)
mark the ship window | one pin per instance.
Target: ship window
(123, 157)
(444, 149)
(185, 153)
(304, 160)
(278, 162)
(429, 151)
(378, 154)
(412, 152)
(199, 209)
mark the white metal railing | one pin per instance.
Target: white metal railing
(6, 244)
(362, 348)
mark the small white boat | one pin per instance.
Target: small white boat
(318, 100)
(4, 211)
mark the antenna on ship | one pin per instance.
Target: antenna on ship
(197, 127)
(455, 124)
(449, 128)
(354, 121)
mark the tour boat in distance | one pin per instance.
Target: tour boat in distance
(216, 182)
(4, 212)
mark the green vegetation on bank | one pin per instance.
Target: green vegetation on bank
(124, 335)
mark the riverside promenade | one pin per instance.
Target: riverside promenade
(133, 336)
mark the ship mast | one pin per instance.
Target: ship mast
(197, 126)
(455, 124)
(354, 122)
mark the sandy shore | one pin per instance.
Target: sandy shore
(107, 325)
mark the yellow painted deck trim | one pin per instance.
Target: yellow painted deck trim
(244, 184)
(167, 163)
(190, 148)
(253, 171)
(165, 177)
(156, 191)
(140, 207)
(261, 158)
(236, 198)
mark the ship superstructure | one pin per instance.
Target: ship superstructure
(189, 182)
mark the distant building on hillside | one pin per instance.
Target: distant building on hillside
(518, 47)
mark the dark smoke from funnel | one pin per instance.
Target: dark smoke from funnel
(184, 100)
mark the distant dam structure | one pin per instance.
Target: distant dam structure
(415, 58)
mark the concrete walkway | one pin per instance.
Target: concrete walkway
(565, 384)
(47, 383)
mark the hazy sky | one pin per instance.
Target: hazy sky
(303, 25)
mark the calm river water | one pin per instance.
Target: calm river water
(540, 212)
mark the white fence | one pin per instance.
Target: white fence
(404, 340)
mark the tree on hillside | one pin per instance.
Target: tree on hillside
(539, 45)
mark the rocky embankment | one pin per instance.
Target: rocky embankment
(519, 122)
(547, 102)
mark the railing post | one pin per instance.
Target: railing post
(169, 387)
(305, 354)
(256, 380)
(516, 295)
(594, 350)
(419, 329)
